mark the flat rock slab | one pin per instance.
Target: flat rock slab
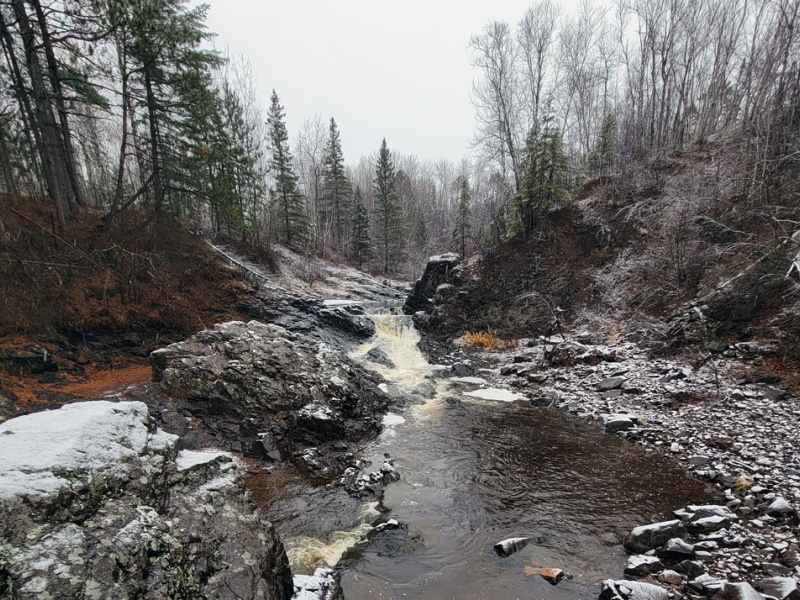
(631, 590)
(612, 383)
(469, 380)
(43, 451)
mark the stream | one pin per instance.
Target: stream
(474, 472)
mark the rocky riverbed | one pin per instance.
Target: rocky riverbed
(736, 432)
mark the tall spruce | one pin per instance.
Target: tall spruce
(387, 213)
(360, 239)
(542, 186)
(292, 223)
(336, 189)
(462, 226)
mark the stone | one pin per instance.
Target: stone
(551, 575)
(612, 383)
(511, 545)
(631, 590)
(779, 508)
(676, 549)
(617, 423)
(650, 537)
(670, 577)
(740, 591)
(706, 583)
(782, 588)
(95, 488)
(442, 269)
(708, 524)
(775, 570)
(641, 566)
(690, 568)
(322, 585)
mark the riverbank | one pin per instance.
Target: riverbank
(719, 419)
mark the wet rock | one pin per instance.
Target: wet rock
(239, 380)
(740, 591)
(359, 484)
(641, 566)
(650, 537)
(95, 489)
(631, 590)
(612, 383)
(322, 585)
(779, 508)
(378, 356)
(511, 545)
(782, 588)
(690, 568)
(443, 269)
(676, 550)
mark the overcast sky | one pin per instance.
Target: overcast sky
(399, 70)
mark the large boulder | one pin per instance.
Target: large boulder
(442, 270)
(95, 501)
(650, 537)
(269, 393)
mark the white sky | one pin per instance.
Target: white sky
(399, 70)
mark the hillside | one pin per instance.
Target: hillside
(638, 252)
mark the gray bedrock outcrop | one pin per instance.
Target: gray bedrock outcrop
(269, 393)
(97, 502)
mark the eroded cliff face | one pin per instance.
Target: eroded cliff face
(97, 502)
(271, 394)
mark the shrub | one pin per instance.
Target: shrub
(487, 340)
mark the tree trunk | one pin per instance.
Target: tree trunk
(5, 159)
(155, 155)
(67, 150)
(52, 163)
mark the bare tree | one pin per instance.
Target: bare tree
(496, 97)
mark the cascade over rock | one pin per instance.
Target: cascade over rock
(95, 501)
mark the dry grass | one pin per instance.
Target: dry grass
(486, 340)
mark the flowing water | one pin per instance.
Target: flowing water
(475, 472)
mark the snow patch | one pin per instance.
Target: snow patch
(495, 394)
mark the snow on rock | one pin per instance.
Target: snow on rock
(95, 489)
(495, 394)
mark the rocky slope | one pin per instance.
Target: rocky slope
(96, 502)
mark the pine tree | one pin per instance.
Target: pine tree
(602, 157)
(542, 186)
(336, 189)
(360, 240)
(461, 225)
(387, 213)
(292, 220)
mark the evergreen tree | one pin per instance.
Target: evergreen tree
(387, 213)
(542, 186)
(169, 75)
(461, 225)
(336, 189)
(360, 240)
(292, 220)
(602, 157)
